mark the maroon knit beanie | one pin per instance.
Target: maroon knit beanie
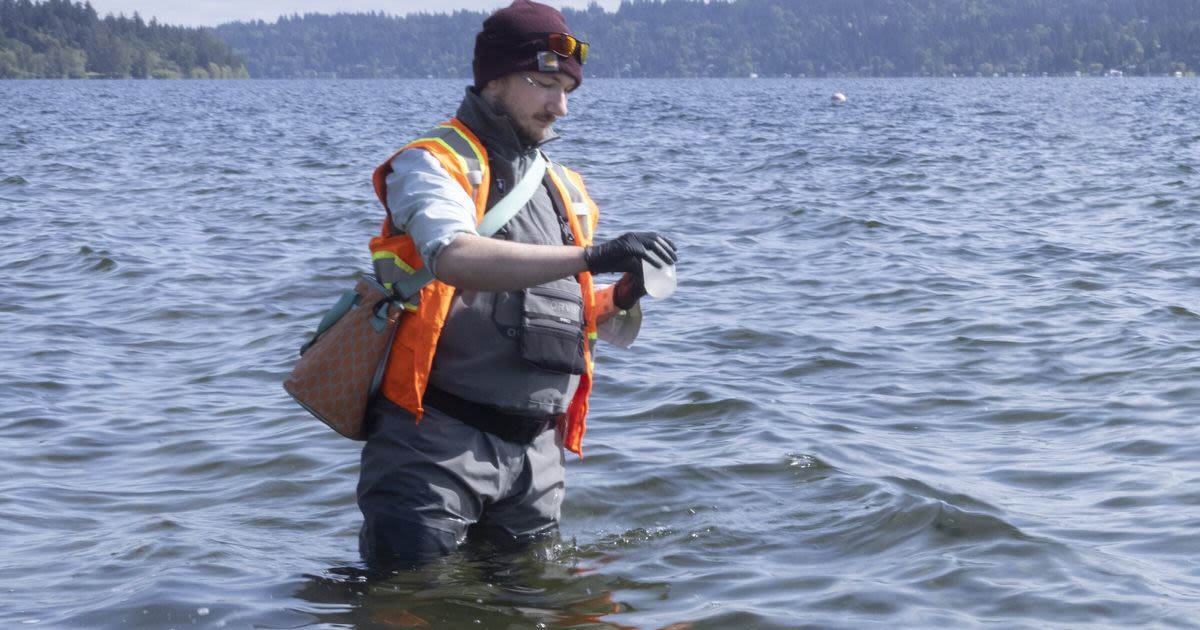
(509, 43)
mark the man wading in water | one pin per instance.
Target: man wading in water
(489, 377)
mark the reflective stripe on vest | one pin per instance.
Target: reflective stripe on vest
(446, 141)
(577, 199)
(455, 139)
(582, 214)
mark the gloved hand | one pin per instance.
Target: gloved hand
(627, 251)
(629, 289)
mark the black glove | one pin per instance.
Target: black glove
(630, 288)
(627, 251)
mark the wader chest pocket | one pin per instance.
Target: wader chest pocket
(552, 330)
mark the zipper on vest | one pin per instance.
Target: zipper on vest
(565, 227)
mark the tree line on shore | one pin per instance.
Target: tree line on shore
(642, 38)
(686, 38)
(64, 39)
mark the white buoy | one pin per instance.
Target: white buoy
(838, 98)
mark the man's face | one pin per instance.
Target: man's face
(532, 100)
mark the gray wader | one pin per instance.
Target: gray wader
(423, 485)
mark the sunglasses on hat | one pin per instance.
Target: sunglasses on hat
(566, 45)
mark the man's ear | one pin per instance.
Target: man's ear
(491, 89)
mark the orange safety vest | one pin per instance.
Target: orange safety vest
(395, 257)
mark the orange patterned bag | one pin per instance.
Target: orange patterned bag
(340, 369)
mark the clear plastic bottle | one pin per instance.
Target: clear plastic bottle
(660, 283)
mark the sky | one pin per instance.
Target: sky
(214, 12)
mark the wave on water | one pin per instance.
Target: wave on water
(931, 361)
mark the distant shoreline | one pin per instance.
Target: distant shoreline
(644, 39)
(1186, 75)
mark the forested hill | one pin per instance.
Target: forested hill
(643, 38)
(63, 39)
(683, 38)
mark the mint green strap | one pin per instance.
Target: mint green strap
(512, 203)
(501, 213)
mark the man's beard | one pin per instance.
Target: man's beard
(522, 133)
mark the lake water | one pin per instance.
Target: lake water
(933, 362)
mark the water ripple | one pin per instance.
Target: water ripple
(932, 360)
